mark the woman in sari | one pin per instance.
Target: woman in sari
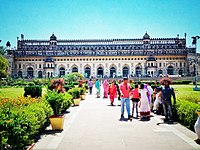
(105, 88)
(112, 92)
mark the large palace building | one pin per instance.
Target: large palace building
(104, 57)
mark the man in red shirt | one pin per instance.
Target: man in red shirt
(125, 91)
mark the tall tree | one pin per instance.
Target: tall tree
(2, 50)
(3, 66)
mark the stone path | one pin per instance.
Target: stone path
(95, 125)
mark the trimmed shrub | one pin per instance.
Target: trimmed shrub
(185, 113)
(21, 119)
(82, 90)
(75, 92)
(33, 91)
(67, 87)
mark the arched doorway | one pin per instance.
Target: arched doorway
(62, 71)
(74, 69)
(170, 70)
(138, 71)
(100, 72)
(39, 74)
(30, 72)
(87, 72)
(160, 72)
(112, 72)
(180, 72)
(125, 71)
(19, 74)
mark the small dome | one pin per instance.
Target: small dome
(53, 37)
(151, 58)
(146, 36)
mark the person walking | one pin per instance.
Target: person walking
(105, 88)
(90, 85)
(167, 93)
(124, 92)
(97, 85)
(144, 103)
(135, 97)
(112, 92)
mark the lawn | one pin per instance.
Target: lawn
(185, 92)
(15, 92)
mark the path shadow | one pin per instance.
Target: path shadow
(111, 105)
(144, 119)
(167, 122)
(123, 119)
(197, 141)
(47, 132)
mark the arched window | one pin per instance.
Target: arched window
(170, 70)
(62, 71)
(87, 72)
(74, 69)
(138, 71)
(100, 72)
(30, 72)
(39, 74)
(180, 72)
(112, 71)
(48, 74)
(125, 71)
(20, 74)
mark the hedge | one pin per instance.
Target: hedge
(21, 120)
(185, 113)
(33, 91)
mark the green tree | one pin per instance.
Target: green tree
(3, 66)
(2, 50)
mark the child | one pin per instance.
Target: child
(134, 96)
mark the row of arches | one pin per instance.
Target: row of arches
(99, 72)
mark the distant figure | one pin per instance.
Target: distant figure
(144, 102)
(167, 92)
(135, 97)
(112, 92)
(90, 85)
(125, 91)
(105, 88)
(97, 85)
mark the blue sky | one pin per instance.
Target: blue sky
(98, 19)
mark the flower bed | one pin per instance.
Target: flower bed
(21, 119)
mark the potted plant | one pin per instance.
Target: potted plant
(75, 92)
(82, 93)
(56, 100)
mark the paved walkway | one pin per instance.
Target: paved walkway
(94, 125)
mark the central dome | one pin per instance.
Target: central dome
(53, 37)
(146, 36)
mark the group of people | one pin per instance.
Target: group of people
(144, 97)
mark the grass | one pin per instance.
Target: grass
(185, 92)
(15, 92)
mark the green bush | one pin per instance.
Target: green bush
(19, 124)
(58, 101)
(67, 87)
(75, 92)
(75, 83)
(185, 113)
(82, 90)
(33, 91)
